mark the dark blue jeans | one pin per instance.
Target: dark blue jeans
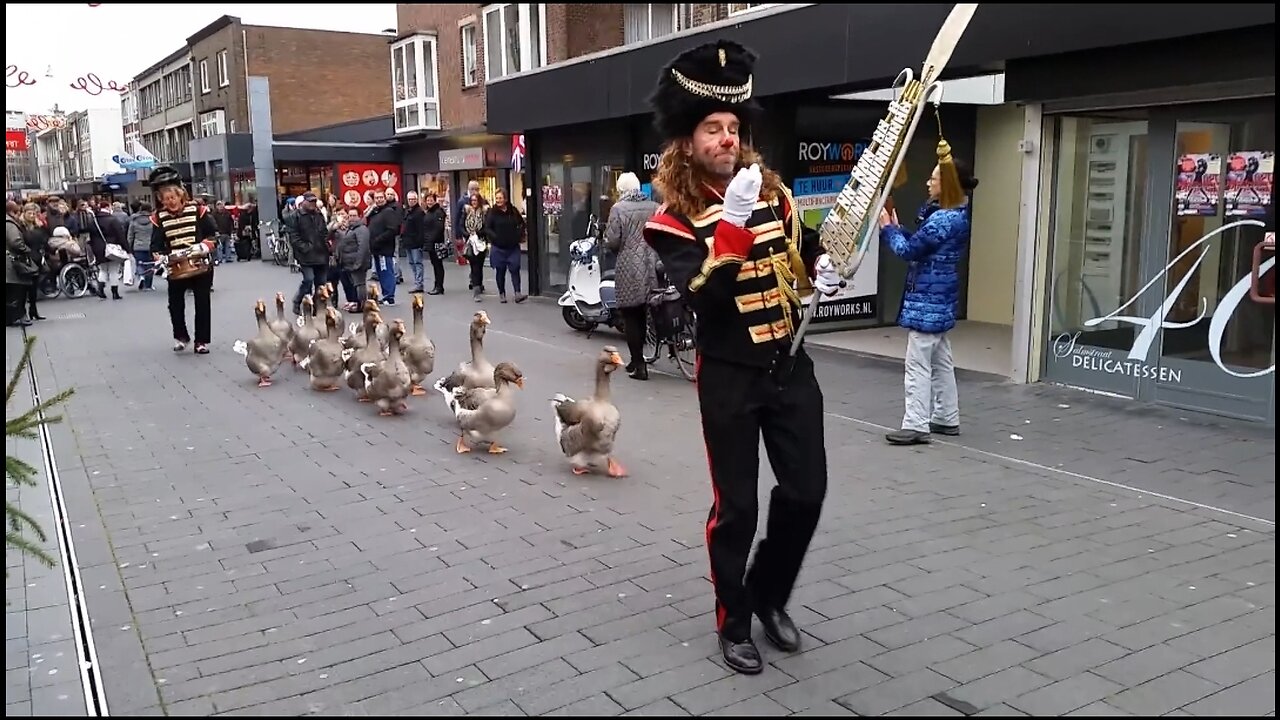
(503, 260)
(142, 258)
(313, 276)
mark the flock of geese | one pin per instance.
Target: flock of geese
(386, 364)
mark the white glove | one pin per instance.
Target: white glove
(828, 280)
(741, 195)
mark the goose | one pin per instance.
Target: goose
(265, 351)
(586, 429)
(389, 386)
(354, 338)
(370, 354)
(478, 372)
(281, 325)
(306, 331)
(419, 352)
(484, 411)
(324, 359)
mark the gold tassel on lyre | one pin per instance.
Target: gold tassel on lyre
(951, 194)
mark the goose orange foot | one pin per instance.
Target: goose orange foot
(496, 449)
(580, 470)
(332, 388)
(616, 470)
(419, 390)
(363, 399)
(264, 382)
(461, 447)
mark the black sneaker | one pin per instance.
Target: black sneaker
(907, 437)
(951, 430)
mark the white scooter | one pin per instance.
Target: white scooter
(590, 300)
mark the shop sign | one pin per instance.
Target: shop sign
(1135, 363)
(649, 162)
(462, 159)
(815, 196)
(824, 158)
(15, 140)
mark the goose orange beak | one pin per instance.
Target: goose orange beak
(616, 359)
(520, 383)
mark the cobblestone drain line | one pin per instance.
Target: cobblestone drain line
(90, 673)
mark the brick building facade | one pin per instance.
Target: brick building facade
(318, 77)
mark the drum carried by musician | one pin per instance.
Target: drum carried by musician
(183, 237)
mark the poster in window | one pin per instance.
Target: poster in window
(358, 182)
(1197, 187)
(1249, 174)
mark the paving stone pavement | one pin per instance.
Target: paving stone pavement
(282, 551)
(42, 674)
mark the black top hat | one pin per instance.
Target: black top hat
(710, 78)
(162, 176)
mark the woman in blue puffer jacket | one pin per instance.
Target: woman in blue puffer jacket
(929, 302)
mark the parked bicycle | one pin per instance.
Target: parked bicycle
(671, 325)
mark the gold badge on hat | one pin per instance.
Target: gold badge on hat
(723, 59)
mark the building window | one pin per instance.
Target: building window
(646, 21)
(515, 38)
(415, 84)
(212, 123)
(204, 78)
(737, 8)
(224, 79)
(469, 73)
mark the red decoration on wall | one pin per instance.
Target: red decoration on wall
(15, 140)
(358, 181)
(13, 77)
(92, 85)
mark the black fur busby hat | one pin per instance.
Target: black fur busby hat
(162, 176)
(710, 78)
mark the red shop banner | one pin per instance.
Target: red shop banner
(357, 182)
(15, 140)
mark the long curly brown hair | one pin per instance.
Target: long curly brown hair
(680, 181)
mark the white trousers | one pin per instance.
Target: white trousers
(930, 383)
(116, 272)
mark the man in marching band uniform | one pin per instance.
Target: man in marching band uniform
(180, 225)
(730, 238)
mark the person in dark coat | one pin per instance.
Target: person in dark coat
(505, 229)
(413, 238)
(308, 237)
(434, 225)
(385, 220)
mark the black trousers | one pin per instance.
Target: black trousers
(200, 287)
(437, 267)
(633, 326)
(32, 294)
(739, 405)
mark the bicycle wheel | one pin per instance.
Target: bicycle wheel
(651, 342)
(684, 347)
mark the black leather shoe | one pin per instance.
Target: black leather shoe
(907, 437)
(741, 656)
(780, 629)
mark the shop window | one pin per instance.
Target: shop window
(515, 38)
(646, 21)
(739, 8)
(470, 65)
(415, 84)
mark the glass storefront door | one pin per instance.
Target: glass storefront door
(1155, 216)
(1098, 218)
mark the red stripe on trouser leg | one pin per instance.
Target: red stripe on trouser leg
(712, 516)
